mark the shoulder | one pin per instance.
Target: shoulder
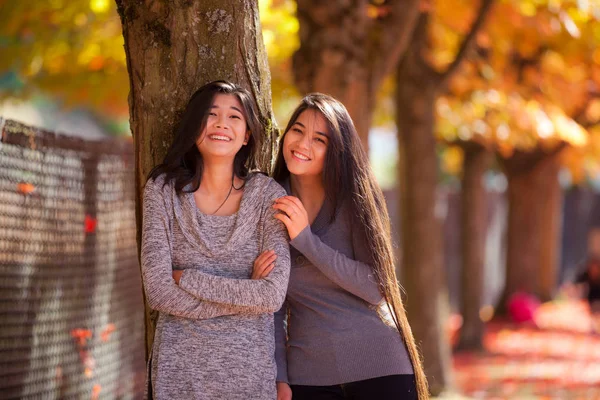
(264, 186)
(158, 187)
(345, 214)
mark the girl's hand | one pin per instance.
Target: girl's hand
(177, 275)
(293, 214)
(264, 264)
(284, 392)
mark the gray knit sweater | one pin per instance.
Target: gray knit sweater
(334, 333)
(214, 336)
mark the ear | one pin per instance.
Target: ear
(247, 137)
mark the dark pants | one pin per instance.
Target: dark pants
(396, 387)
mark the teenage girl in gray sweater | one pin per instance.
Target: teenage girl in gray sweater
(206, 218)
(347, 335)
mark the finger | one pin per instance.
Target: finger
(262, 256)
(299, 206)
(260, 267)
(286, 208)
(267, 271)
(297, 202)
(266, 253)
(264, 271)
(270, 259)
(290, 202)
(285, 219)
(259, 273)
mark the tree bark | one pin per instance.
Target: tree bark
(346, 53)
(173, 48)
(551, 228)
(422, 261)
(529, 205)
(473, 235)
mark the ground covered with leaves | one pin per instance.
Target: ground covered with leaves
(557, 357)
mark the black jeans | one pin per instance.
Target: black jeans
(396, 387)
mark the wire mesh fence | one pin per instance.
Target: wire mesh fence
(71, 308)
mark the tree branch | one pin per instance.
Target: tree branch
(521, 62)
(391, 37)
(414, 53)
(467, 42)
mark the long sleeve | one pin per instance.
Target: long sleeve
(267, 294)
(162, 293)
(352, 275)
(281, 343)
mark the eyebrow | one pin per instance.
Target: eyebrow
(232, 107)
(317, 132)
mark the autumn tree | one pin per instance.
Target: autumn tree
(419, 82)
(348, 48)
(71, 50)
(516, 97)
(542, 56)
(172, 49)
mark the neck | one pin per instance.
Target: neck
(309, 189)
(216, 176)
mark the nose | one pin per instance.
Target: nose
(221, 122)
(305, 141)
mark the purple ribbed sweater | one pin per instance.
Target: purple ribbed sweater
(335, 335)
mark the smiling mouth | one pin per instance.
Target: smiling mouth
(300, 156)
(220, 138)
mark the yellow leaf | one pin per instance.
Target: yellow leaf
(99, 6)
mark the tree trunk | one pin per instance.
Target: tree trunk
(473, 235)
(422, 267)
(550, 229)
(346, 52)
(173, 48)
(530, 203)
(417, 87)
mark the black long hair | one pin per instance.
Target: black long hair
(183, 162)
(347, 175)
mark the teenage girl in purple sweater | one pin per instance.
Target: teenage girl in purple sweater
(347, 334)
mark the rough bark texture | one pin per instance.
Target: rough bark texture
(173, 48)
(528, 177)
(347, 52)
(422, 263)
(473, 234)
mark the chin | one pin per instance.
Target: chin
(216, 152)
(295, 171)
(299, 170)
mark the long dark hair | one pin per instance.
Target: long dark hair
(347, 175)
(183, 161)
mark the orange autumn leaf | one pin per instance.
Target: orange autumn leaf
(96, 391)
(25, 188)
(82, 335)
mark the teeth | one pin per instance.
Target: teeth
(219, 137)
(301, 156)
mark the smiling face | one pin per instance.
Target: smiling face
(226, 130)
(305, 144)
